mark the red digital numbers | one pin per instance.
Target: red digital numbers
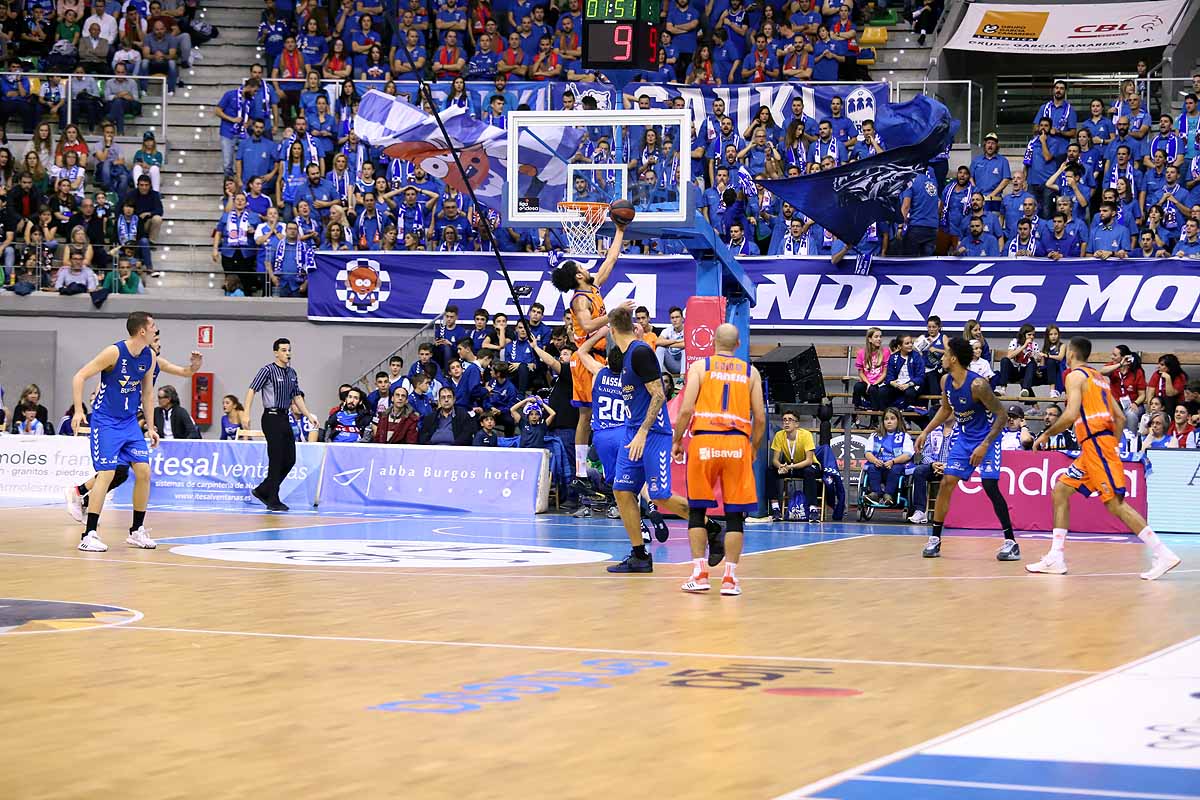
(652, 49)
(623, 43)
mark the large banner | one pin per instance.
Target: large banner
(38, 468)
(1135, 296)
(860, 101)
(200, 474)
(1067, 27)
(454, 479)
(1027, 481)
(1174, 484)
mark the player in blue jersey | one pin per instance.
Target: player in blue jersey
(77, 496)
(608, 430)
(644, 458)
(126, 371)
(975, 443)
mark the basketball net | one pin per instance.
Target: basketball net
(580, 222)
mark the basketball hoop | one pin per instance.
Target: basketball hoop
(580, 221)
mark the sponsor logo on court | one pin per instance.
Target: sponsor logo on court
(595, 674)
(22, 616)
(741, 677)
(387, 553)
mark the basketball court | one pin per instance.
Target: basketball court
(318, 655)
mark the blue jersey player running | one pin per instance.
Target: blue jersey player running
(644, 458)
(126, 371)
(975, 443)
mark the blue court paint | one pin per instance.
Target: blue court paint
(865, 789)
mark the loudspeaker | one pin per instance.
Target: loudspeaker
(793, 375)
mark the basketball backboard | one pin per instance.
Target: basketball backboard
(584, 156)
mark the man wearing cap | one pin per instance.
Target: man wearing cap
(1015, 435)
(991, 174)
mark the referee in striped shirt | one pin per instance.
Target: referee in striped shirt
(278, 385)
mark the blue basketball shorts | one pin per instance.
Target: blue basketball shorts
(652, 470)
(607, 442)
(958, 462)
(117, 443)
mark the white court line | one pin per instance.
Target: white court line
(612, 651)
(399, 572)
(840, 538)
(1017, 787)
(857, 772)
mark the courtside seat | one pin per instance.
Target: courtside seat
(885, 17)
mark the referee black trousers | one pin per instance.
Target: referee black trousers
(281, 452)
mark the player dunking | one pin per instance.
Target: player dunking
(978, 420)
(644, 458)
(587, 315)
(723, 408)
(77, 495)
(1098, 420)
(126, 371)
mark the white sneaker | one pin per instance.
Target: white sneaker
(92, 544)
(1050, 564)
(730, 586)
(1161, 565)
(814, 514)
(919, 518)
(696, 584)
(74, 503)
(140, 538)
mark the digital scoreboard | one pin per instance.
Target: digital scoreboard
(621, 34)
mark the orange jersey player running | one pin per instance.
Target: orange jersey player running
(1098, 419)
(723, 408)
(586, 315)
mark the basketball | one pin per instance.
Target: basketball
(621, 212)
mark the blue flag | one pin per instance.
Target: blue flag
(845, 200)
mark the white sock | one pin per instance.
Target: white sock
(1156, 545)
(731, 570)
(581, 469)
(1056, 543)
(698, 566)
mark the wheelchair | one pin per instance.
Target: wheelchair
(867, 509)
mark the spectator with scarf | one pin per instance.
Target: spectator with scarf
(291, 264)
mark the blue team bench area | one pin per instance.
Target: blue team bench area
(218, 475)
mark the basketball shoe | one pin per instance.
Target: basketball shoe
(1051, 564)
(697, 583)
(74, 503)
(92, 544)
(730, 586)
(140, 538)
(1162, 564)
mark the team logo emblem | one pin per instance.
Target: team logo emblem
(601, 98)
(860, 107)
(362, 285)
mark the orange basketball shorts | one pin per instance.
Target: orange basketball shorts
(1097, 470)
(724, 459)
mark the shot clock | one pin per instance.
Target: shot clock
(621, 34)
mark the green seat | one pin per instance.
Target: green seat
(885, 17)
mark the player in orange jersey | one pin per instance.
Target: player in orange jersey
(723, 409)
(586, 315)
(1098, 420)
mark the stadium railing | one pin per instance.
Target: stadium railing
(151, 106)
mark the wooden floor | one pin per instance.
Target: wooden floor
(270, 681)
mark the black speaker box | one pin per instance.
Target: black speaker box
(793, 375)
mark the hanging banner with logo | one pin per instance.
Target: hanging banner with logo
(429, 478)
(860, 101)
(1068, 27)
(1135, 296)
(416, 287)
(203, 474)
(40, 467)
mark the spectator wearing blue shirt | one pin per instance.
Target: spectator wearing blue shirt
(528, 416)
(271, 33)
(518, 353)
(468, 390)
(452, 217)
(1063, 120)
(826, 145)
(319, 192)
(1023, 244)
(1014, 198)
(1174, 199)
(1091, 156)
(1149, 246)
(760, 64)
(501, 393)
(233, 110)
(905, 375)
(1109, 239)
(1168, 141)
(1123, 137)
(288, 271)
(977, 243)
(257, 157)
(1059, 243)
(1068, 181)
(539, 331)
(372, 221)
(446, 335)
(825, 60)
(482, 65)
(1139, 119)
(1154, 177)
(1027, 212)
(425, 363)
(991, 222)
(313, 45)
(1042, 155)
(1123, 166)
(991, 173)
(683, 23)
(1189, 243)
(1098, 125)
(919, 206)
